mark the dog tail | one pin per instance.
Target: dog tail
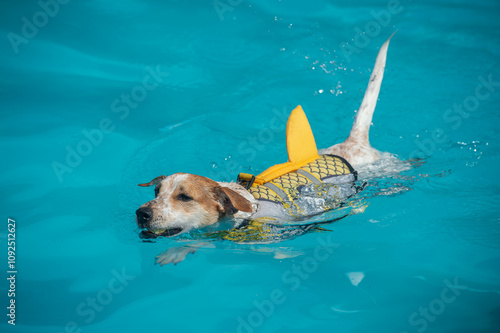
(361, 126)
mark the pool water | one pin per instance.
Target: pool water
(98, 96)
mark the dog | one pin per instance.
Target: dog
(184, 202)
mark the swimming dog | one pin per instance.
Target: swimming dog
(184, 202)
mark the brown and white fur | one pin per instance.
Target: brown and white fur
(184, 201)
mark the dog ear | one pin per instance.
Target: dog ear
(232, 202)
(154, 181)
(238, 201)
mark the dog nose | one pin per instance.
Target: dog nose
(144, 215)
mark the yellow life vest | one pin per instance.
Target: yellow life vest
(280, 183)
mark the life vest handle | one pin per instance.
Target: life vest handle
(246, 180)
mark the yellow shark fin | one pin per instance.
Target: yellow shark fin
(300, 139)
(300, 144)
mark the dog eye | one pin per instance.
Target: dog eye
(157, 190)
(184, 197)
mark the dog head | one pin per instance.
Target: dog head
(185, 201)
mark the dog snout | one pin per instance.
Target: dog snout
(144, 215)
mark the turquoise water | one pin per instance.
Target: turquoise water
(204, 83)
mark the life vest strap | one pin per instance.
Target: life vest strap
(309, 176)
(285, 197)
